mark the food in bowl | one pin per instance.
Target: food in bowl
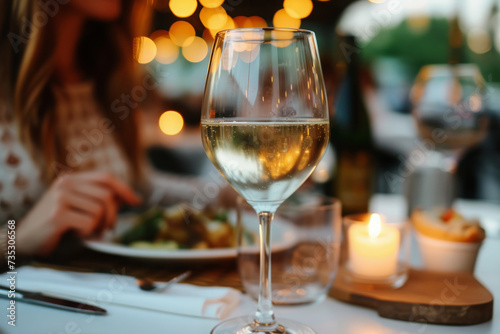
(447, 224)
(448, 242)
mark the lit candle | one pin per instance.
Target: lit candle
(373, 248)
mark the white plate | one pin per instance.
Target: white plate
(283, 237)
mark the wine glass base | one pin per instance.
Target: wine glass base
(242, 325)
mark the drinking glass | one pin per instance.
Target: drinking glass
(265, 127)
(306, 235)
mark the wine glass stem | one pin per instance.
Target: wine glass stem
(264, 316)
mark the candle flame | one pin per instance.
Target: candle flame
(374, 226)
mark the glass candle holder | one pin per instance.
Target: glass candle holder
(375, 251)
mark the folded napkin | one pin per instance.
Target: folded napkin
(100, 289)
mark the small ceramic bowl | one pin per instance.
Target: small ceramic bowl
(447, 256)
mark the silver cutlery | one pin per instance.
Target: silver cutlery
(150, 285)
(39, 298)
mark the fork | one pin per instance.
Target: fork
(147, 284)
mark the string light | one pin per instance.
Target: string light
(144, 49)
(180, 32)
(256, 22)
(171, 122)
(211, 3)
(228, 25)
(154, 35)
(183, 8)
(167, 51)
(196, 49)
(213, 18)
(298, 9)
(283, 20)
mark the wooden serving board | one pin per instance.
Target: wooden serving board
(429, 297)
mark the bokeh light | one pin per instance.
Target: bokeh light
(171, 122)
(255, 22)
(183, 8)
(144, 49)
(228, 25)
(283, 20)
(167, 52)
(196, 49)
(249, 22)
(240, 21)
(211, 3)
(213, 18)
(479, 41)
(154, 35)
(180, 32)
(298, 9)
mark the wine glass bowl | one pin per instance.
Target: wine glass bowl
(265, 127)
(449, 106)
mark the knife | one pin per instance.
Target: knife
(39, 298)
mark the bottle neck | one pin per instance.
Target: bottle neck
(455, 40)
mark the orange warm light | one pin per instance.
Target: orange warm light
(256, 22)
(213, 18)
(167, 51)
(171, 122)
(144, 49)
(154, 35)
(249, 22)
(211, 3)
(180, 32)
(183, 8)
(196, 49)
(298, 9)
(282, 20)
(228, 25)
(239, 21)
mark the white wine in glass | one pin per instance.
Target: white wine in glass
(265, 127)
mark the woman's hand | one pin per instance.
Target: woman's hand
(81, 202)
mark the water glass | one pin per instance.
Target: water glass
(305, 240)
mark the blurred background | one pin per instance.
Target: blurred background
(397, 123)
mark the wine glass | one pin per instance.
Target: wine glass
(265, 127)
(449, 109)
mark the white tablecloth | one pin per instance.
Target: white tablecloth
(328, 316)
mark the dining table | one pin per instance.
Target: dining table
(325, 316)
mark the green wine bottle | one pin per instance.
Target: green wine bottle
(351, 136)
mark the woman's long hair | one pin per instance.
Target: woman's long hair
(105, 56)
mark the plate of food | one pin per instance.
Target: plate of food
(181, 232)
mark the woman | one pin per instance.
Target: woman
(69, 145)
